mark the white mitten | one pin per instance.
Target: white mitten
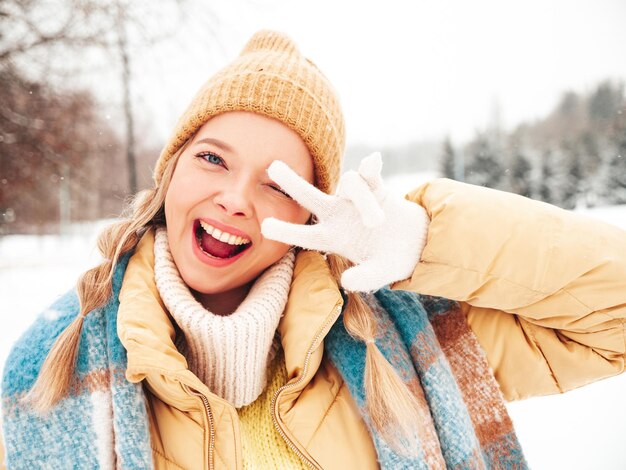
(381, 234)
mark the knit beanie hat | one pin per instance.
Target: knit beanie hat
(272, 78)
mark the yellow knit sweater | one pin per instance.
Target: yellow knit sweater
(263, 447)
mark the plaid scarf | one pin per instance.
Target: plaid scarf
(464, 424)
(103, 422)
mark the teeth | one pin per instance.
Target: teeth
(223, 236)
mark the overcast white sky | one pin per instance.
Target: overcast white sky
(417, 70)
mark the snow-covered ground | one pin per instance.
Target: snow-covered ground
(582, 429)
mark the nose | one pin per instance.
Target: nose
(235, 200)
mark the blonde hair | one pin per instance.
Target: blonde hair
(391, 405)
(94, 288)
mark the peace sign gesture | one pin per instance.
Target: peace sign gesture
(381, 234)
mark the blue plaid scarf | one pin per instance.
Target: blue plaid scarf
(464, 422)
(103, 422)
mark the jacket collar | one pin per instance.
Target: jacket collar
(313, 305)
(147, 331)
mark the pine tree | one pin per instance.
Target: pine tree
(610, 181)
(447, 160)
(519, 176)
(604, 103)
(615, 178)
(567, 182)
(612, 178)
(484, 168)
(545, 191)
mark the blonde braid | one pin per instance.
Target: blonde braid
(94, 289)
(394, 410)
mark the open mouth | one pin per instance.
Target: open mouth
(219, 244)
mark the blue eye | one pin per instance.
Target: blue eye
(211, 158)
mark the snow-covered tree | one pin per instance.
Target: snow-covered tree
(614, 178)
(545, 189)
(519, 174)
(447, 160)
(611, 181)
(565, 170)
(604, 104)
(484, 168)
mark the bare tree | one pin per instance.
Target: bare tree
(57, 38)
(52, 150)
(61, 137)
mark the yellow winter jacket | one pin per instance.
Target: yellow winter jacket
(543, 289)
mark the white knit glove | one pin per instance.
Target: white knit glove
(381, 234)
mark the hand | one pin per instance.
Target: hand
(382, 235)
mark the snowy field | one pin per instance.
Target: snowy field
(583, 429)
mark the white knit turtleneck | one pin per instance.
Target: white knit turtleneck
(228, 353)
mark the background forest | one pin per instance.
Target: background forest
(68, 153)
(575, 156)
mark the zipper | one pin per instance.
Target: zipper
(277, 425)
(209, 415)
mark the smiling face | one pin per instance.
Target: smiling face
(219, 195)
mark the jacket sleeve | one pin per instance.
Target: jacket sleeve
(543, 289)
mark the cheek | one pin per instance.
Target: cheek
(173, 192)
(173, 205)
(185, 190)
(286, 211)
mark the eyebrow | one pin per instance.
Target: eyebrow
(218, 143)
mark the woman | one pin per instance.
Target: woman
(207, 340)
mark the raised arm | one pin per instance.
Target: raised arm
(543, 289)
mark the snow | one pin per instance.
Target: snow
(581, 429)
